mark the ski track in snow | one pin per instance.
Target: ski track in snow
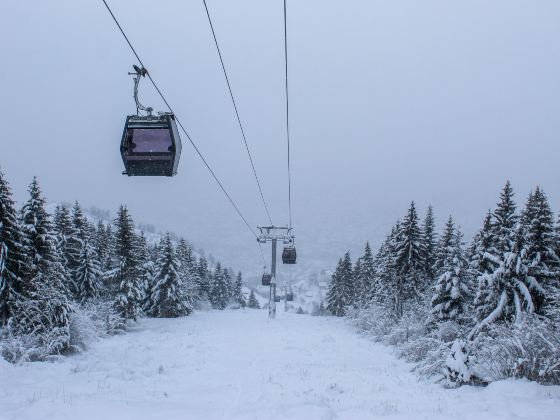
(240, 365)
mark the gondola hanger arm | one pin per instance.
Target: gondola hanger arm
(138, 73)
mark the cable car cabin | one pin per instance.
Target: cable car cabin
(266, 279)
(290, 297)
(289, 255)
(277, 298)
(151, 145)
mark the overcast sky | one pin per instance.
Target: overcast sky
(434, 101)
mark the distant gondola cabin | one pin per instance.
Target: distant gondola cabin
(289, 255)
(266, 279)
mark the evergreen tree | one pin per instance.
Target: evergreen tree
(449, 301)
(147, 268)
(188, 269)
(186, 257)
(40, 307)
(103, 241)
(105, 249)
(149, 280)
(358, 281)
(348, 280)
(37, 233)
(513, 283)
(341, 289)
(80, 225)
(540, 241)
(387, 290)
(110, 237)
(168, 299)
(335, 294)
(510, 279)
(88, 274)
(253, 302)
(445, 246)
(126, 274)
(75, 240)
(429, 243)
(410, 257)
(557, 236)
(204, 279)
(62, 231)
(482, 265)
(504, 222)
(237, 294)
(552, 309)
(228, 278)
(493, 284)
(13, 264)
(219, 296)
(367, 280)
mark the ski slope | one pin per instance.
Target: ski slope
(240, 365)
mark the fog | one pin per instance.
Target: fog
(435, 101)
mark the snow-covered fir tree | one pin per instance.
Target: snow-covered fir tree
(358, 280)
(237, 293)
(540, 254)
(429, 242)
(510, 280)
(167, 298)
(219, 295)
(458, 365)
(445, 246)
(367, 279)
(387, 289)
(492, 294)
(38, 238)
(451, 293)
(126, 276)
(88, 274)
(204, 279)
(513, 283)
(75, 239)
(228, 278)
(103, 245)
(41, 308)
(335, 295)
(188, 270)
(341, 289)
(504, 222)
(253, 303)
(147, 270)
(557, 232)
(13, 262)
(409, 260)
(483, 264)
(62, 225)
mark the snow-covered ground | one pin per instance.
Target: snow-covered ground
(240, 365)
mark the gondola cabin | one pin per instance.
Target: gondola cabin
(277, 298)
(289, 255)
(290, 297)
(266, 279)
(151, 145)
